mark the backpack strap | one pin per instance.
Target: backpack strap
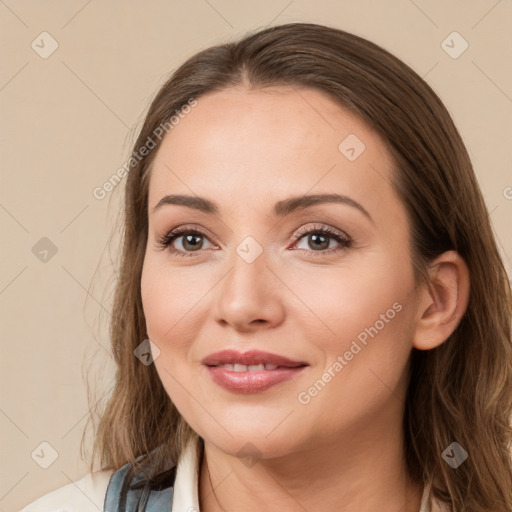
(127, 492)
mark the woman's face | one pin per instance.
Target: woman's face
(261, 275)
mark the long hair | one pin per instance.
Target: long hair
(460, 391)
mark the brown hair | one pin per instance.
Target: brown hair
(460, 391)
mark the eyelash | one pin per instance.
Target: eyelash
(165, 241)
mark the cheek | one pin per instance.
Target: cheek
(365, 352)
(366, 319)
(169, 298)
(175, 308)
(341, 303)
(171, 323)
(153, 300)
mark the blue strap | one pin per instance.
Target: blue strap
(129, 493)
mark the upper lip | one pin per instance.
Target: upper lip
(248, 358)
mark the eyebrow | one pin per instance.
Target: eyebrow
(281, 208)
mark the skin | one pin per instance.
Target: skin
(247, 149)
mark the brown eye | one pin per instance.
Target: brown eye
(319, 240)
(190, 240)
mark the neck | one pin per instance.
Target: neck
(364, 471)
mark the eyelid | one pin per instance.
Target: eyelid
(321, 228)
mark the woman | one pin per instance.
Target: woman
(307, 248)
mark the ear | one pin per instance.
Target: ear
(442, 301)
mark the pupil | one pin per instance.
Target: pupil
(316, 237)
(188, 239)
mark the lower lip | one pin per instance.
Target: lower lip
(251, 382)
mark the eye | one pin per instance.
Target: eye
(319, 237)
(191, 241)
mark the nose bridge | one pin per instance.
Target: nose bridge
(248, 275)
(246, 292)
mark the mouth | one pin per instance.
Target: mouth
(252, 371)
(250, 361)
(237, 367)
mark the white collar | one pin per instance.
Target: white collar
(186, 493)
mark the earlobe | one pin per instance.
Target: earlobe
(442, 301)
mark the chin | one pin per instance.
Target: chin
(249, 437)
(253, 446)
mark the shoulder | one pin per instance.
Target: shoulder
(84, 495)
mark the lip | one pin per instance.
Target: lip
(250, 381)
(251, 357)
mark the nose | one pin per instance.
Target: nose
(250, 296)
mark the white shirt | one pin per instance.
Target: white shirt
(88, 493)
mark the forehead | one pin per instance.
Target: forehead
(268, 143)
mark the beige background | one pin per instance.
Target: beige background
(66, 124)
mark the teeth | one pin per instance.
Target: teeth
(256, 367)
(248, 368)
